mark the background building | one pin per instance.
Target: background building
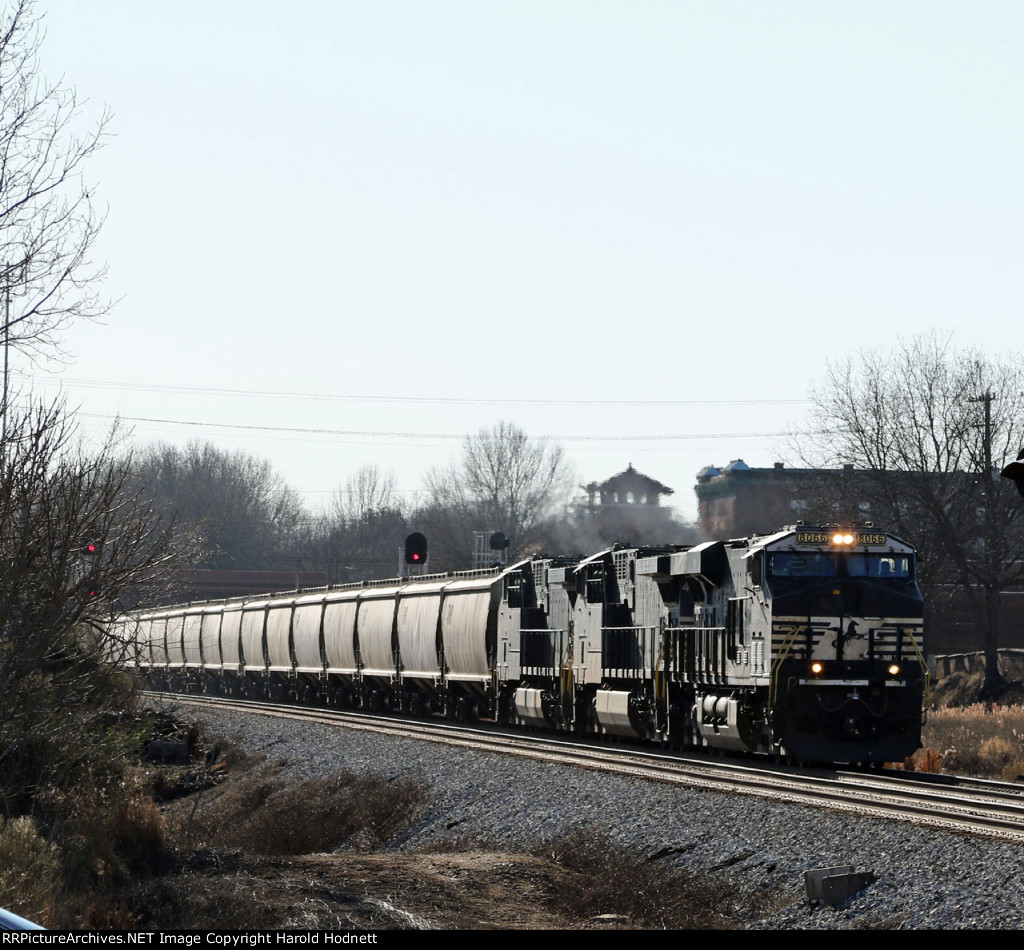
(627, 508)
(736, 501)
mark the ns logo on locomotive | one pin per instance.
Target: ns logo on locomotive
(806, 642)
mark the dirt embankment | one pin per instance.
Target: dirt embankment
(963, 687)
(247, 846)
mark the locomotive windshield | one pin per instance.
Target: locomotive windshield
(879, 565)
(797, 564)
(887, 566)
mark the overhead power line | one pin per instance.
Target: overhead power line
(357, 397)
(358, 433)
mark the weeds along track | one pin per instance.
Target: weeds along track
(993, 809)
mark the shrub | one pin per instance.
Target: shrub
(30, 876)
(107, 830)
(645, 892)
(978, 740)
(1000, 757)
(269, 814)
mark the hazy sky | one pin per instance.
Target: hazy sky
(346, 233)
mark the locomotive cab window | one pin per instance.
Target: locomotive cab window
(798, 564)
(755, 570)
(882, 566)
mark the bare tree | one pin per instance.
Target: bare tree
(371, 525)
(244, 514)
(48, 224)
(358, 536)
(75, 535)
(503, 481)
(75, 532)
(368, 491)
(927, 424)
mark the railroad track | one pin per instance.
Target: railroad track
(973, 806)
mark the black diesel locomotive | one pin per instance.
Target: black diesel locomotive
(806, 642)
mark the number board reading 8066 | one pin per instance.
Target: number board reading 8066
(825, 537)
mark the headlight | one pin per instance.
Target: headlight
(817, 667)
(894, 669)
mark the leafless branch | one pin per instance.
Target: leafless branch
(48, 220)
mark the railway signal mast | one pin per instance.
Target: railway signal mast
(490, 548)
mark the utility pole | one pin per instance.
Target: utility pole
(990, 584)
(987, 441)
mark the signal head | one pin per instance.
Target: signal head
(415, 548)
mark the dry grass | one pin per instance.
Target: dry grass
(61, 867)
(30, 874)
(620, 886)
(257, 833)
(268, 813)
(978, 740)
(120, 862)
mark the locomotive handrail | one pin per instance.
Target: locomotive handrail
(923, 663)
(566, 679)
(555, 638)
(647, 669)
(684, 629)
(715, 632)
(777, 665)
(660, 673)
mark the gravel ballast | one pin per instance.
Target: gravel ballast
(925, 878)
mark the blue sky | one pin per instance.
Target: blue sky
(413, 220)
